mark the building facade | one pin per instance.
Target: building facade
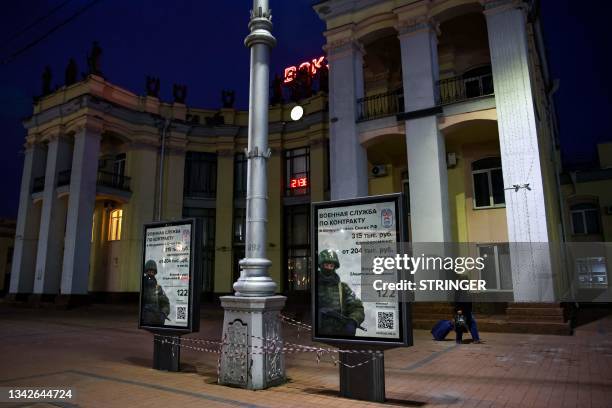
(453, 98)
(447, 101)
(95, 172)
(587, 195)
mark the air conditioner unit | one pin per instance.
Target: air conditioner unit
(378, 170)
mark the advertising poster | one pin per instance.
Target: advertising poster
(340, 229)
(167, 276)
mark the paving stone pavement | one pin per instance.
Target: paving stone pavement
(98, 352)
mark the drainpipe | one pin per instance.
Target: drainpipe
(162, 154)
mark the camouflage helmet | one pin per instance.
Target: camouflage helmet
(150, 265)
(329, 256)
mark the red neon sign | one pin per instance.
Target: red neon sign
(311, 66)
(299, 182)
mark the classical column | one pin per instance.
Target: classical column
(28, 218)
(348, 159)
(520, 152)
(224, 221)
(75, 271)
(141, 162)
(430, 220)
(53, 219)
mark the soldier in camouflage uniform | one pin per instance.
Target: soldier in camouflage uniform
(340, 312)
(156, 306)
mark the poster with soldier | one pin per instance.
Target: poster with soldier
(167, 276)
(340, 311)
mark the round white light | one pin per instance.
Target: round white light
(297, 112)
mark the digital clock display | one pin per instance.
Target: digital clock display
(299, 182)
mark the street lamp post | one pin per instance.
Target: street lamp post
(254, 279)
(251, 355)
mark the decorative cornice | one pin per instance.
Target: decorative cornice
(338, 48)
(52, 134)
(317, 141)
(496, 6)
(143, 145)
(88, 124)
(225, 152)
(417, 24)
(32, 141)
(176, 150)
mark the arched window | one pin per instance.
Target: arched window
(114, 225)
(585, 219)
(488, 183)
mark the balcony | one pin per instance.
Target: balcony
(103, 178)
(113, 180)
(461, 88)
(449, 91)
(380, 105)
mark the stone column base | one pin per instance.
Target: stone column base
(251, 354)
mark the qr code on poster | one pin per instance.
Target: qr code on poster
(181, 313)
(385, 320)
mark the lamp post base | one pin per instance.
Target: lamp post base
(251, 354)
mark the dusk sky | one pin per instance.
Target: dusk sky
(200, 44)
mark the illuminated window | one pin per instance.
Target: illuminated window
(488, 183)
(114, 226)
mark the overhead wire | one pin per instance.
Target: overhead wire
(20, 51)
(34, 23)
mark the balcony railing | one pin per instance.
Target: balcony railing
(458, 89)
(103, 178)
(38, 184)
(113, 180)
(450, 90)
(380, 105)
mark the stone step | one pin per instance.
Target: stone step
(533, 305)
(500, 325)
(534, 311)
(536, 318)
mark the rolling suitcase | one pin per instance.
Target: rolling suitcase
(441, 329)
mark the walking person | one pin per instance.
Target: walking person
(464, 321)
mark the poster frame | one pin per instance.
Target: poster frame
(193, 323)
(404, 318)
